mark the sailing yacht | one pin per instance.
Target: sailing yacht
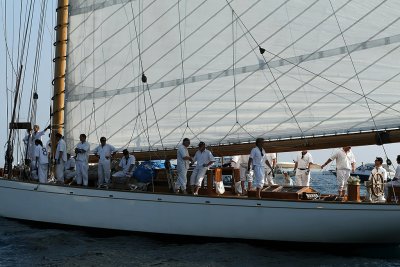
(146, 74)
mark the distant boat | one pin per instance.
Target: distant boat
(363, 171)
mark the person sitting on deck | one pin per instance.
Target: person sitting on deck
(345, 163)
(204, 159)
(126, 165)
(258, 159)
(378, 170)
(69, 169)
(287, 181)
(395, 182)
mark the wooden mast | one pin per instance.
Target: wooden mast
(59, 69)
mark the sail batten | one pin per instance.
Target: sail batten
(230, 93)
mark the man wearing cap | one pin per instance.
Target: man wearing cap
(126, 164)
(302, 168)
(258, 160)
(182, 161)
(203, 159)
(378, 170)
(396, 180)
(345, 164)
(104, 152)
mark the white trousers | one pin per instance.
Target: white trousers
(342, 176)
(104, 172)
(34, 171)
(198, 176)
(268, 180)
(389, 186)
(60, 171)
(180, 183)
(42, 172)
(82, 169)
(302, 178)
(259, 176)
(245, 175)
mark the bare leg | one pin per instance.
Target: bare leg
(258, 193)
(249, 185)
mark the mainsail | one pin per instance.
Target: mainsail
(145, 74)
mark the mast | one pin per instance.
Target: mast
(59, 69)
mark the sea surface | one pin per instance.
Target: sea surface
(27, 244)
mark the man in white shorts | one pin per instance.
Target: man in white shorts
(345, 164)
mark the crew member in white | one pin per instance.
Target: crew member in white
(241, 163)
(378, 170)
(69, 169)
(302, 168)
(60, 157)
(182, 160)
(345, 164)
(127, 165)
(396, 180)
(258, 160)
(203, 159)
(104, 152)
(29, 141)
(269, 172)
(82, 158)
(42, 161)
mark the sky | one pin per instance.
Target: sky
(10, 16)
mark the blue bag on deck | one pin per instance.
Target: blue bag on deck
(145, 172)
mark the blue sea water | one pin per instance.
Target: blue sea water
(23, 244)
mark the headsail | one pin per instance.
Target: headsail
(327, 67)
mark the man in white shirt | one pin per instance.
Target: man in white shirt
(60, 157)
(396, 180)
(29, 141)
(182, 160)
(82, 158)
(203, 159)
(345, 164)
(258, 160)
(126, 164)
(42, 161)
(302, 168)
(377, 171)
(104, 152)
(269, 172)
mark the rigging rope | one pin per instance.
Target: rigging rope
(359, 81)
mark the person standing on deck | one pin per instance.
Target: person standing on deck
(60, 157)
(182, 160)
(269, 172)
(42, 161)
(204, 159)
(258, 160)
(378, 170)
(241, 163)
(104, 152)
(29, 141)
(82, 161)
(302, 168)
(345, 164)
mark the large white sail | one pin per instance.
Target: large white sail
(328, 66)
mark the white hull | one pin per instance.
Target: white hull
(275, 220)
